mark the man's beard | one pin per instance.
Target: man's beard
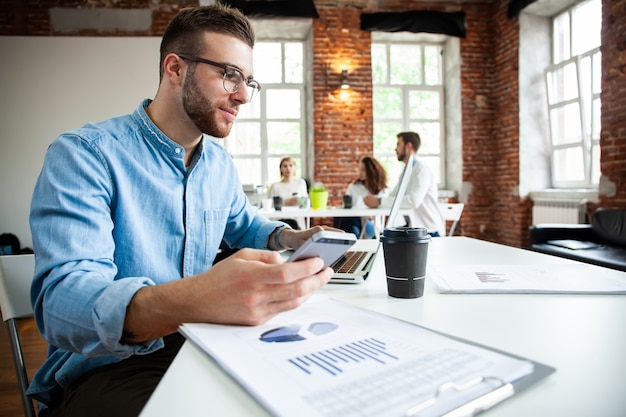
(201, 110)
(401, 156)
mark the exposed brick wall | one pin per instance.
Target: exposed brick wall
(477, 72)
(510, 216)
(489, 88)
(613, 135)
(342, 118)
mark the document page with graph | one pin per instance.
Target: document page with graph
(574, 278)
(329, 358)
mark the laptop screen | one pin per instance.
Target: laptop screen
(397, 201)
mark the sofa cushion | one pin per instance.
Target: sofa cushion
(604, 255)
(610, 225)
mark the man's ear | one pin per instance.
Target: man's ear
(173, 68)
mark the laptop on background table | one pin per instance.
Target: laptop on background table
(355, 265)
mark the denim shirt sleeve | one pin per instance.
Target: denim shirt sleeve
(78, 300)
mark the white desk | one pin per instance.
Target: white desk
(582, 336)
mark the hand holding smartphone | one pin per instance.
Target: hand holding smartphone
(328, 245)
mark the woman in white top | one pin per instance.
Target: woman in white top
(289, 188)
(372, 179)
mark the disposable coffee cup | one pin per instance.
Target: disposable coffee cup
(406, 252)
(266, 203)
(347, 201)
(278, 203)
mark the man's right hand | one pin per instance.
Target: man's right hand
(248, 288)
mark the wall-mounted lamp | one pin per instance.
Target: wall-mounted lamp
(345, 84)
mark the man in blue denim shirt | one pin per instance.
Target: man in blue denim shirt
(125, 208)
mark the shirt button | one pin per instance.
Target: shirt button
(178, 150)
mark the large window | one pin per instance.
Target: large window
(273, 125)
(573, 87)
(409, 95)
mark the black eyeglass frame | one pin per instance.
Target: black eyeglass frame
(250, 82)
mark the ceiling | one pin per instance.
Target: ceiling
(298, 28)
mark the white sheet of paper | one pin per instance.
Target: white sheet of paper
(327, 348)
(545, 278)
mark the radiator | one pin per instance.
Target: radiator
(549, 210)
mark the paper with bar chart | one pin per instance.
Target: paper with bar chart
(328, 358)
(570, 278)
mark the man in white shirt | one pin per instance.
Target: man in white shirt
(421, 192)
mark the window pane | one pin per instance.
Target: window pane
(387, 103)
(595, 164)
(560, 38)
(406, 64)
(433, 163)
(424, 104)
(244, 138)
(283, 138)
(597, 73)
(569, 164)
(268, 62)
(251, 110)
(584, 66)
(294, 63)
(566, 126)
(563, 84)
(586, 26)
(432, 64)
(596, 123)
(393, 168)
(379, 64)
(284, 104)
(430, 133)
(249, 170)
(385, 137)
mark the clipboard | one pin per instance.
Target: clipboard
(252, 362)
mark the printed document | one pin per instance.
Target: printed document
(541, 278)
(328, 358)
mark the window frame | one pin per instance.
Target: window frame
(589, 133)
(266, 33)
(406, 120)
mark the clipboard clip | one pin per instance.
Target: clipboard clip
(473, 407)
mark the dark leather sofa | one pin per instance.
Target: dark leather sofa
(603, 242)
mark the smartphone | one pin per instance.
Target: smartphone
(328, 245)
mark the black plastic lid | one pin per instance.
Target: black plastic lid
(405, 234)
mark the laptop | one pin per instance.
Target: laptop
(355, 265)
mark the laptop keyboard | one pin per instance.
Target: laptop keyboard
(349, 262)
(397, 388)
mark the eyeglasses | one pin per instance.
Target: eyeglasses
(233, 77)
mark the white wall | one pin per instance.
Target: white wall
(534, 140)
(52, 84)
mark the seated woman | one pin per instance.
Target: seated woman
(372, 179)
(289, 188)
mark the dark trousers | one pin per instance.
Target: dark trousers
(117, 390)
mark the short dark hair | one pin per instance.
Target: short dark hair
(412, 138)
(184, 32)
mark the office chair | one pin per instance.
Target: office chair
(451, 212)
(16, 275)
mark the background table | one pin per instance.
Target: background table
(582, 336)
(289, 213)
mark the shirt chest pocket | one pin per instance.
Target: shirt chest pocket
(214, 227)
